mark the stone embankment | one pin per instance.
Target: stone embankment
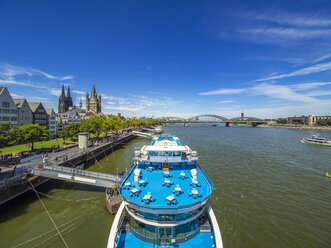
(299, 127)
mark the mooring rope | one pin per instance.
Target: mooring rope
(66, 245)
(68, 200)
(43, 234)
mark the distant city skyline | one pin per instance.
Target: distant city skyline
(171, 58)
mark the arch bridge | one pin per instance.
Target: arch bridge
(212, 118)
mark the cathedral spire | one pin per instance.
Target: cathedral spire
(93, 93)
(68, 93)
(63, 93)
(69, 99)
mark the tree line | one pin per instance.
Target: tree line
(97, 126)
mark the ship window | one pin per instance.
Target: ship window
(166, 217)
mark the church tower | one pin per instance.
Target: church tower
(87, 103)
(62, 101)
(93, 102)
(69, 99)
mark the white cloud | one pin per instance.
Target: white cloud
(278, 33)
(79, 92)
(304, 71)
(54, 92)
(285, 92)
(316, 108)
(40, 99)
(221, 102)
(15, 96)
(223, 92)
(293, 19)
(9, 71)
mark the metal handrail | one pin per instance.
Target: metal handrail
(203, 173)
(179, 206)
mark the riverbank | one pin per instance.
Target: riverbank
(13, 185)
(298, 127)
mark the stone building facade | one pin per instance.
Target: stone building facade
(51, 120)
(24, 112)
(8, 109)
(39, 115)
(93, 102)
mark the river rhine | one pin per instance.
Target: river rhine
(270, 191)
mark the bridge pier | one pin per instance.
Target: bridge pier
(228, 124)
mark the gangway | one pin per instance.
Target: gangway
(142, 134)
(148, 129)
(76, 175)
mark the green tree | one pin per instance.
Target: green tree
(64, 136)
(33, 133)
(282, 121)
(329, 122)
(71, 131)
(4, 134)
(113, 123)
(93, 125)
(321, 122)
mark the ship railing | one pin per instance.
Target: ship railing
(165, 206)
(80, 172)
(169, 159)
(203, 173)
(126, 175)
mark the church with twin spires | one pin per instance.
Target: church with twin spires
(65, 101)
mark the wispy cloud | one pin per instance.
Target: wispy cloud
(79, 92)
(304, 71)
(281, 27)
(40, 99)
(9, 71)
(277, 33)
(137, 103)
(294, 92)
(223, 92)
(293, 19)
(221, 102)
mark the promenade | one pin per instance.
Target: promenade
(12, 181)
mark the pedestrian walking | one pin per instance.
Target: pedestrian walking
(13, 171)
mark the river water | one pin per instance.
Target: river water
(270, 191)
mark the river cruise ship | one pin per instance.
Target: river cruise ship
(165, 200)
(317, 140)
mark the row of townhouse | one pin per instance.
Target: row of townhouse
(20, 112)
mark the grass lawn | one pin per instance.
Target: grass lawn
(37, 145)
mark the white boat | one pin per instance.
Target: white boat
(317, 140)
(158, 130)
(165, 200)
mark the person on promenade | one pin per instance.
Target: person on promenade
(13, 171)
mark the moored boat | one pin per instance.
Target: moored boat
(317, 140)
(158, 130)
(165, 200)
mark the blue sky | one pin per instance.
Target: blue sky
(171, 58)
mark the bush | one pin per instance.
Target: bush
(321, 122)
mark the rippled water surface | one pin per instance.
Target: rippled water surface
(270, 191)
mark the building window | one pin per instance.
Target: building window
(5, 104)
(5, 118)
(14, 118)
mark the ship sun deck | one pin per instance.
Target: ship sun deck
(157, 186)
